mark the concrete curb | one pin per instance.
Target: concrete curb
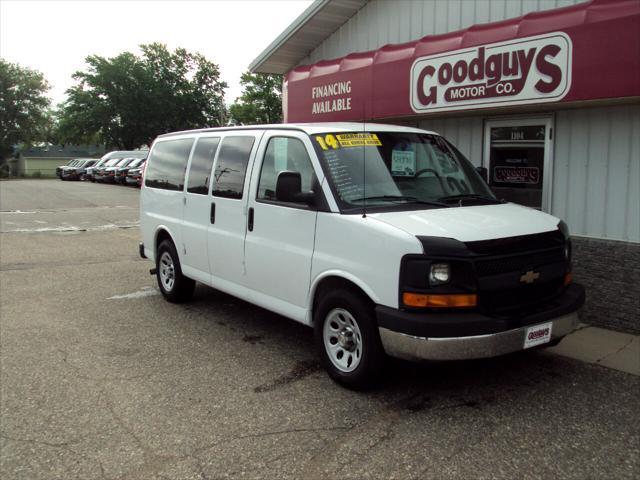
(611, 349)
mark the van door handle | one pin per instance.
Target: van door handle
(212, 214)
(250, 220)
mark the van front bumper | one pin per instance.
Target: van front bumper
(450, 336)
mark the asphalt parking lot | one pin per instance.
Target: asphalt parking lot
(101, 378)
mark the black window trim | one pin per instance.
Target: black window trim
(321, 201)
(213, 165)
(194, 138)
(257, 137)
(297, 206)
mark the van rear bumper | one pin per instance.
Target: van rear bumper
(451, 336)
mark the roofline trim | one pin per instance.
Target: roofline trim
(299, 127)
(281, 39)
(230, 129)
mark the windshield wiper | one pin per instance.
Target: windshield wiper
(471, 196)
(401, 198)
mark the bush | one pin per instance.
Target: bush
(36, 174)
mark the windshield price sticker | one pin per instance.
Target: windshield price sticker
(403, 163)
(346, 140)
(359, 140)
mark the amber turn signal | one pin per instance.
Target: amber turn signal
(568, 278)
(439, 301)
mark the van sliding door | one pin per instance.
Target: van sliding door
(227, 218)
(197, 203)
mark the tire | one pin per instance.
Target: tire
(175, 287)
(345, 318)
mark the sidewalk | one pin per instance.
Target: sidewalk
(616, 350)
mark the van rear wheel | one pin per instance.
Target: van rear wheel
(174, 286)
(347, 339)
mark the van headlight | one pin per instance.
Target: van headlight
(439, 273)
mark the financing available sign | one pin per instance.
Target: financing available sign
(516, 72)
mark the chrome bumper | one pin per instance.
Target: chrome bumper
(463, 348)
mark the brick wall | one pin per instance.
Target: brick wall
(610, 271)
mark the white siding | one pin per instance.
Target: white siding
(596, 166)
(381, 22)
(596, 183)
(464, 132)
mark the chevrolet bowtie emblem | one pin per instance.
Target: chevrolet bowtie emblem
(530, 277)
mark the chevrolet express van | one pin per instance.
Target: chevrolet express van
(384, 239)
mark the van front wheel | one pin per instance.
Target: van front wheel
(174, 286)
(347, 339)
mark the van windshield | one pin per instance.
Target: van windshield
(399, 170)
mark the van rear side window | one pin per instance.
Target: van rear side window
(201, 165)
(232, 166)
(168, 163)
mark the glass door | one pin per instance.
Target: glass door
(518, 155)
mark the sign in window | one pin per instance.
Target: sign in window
(518, 155)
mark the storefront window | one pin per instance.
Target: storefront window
(518, 154)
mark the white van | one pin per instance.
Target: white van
(384, 239)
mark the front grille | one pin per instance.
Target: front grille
(519, 263)
(500, 263)
(522, 298)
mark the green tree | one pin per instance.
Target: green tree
(24, 107)
(261, 99)
(128, 100)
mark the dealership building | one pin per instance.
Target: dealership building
(544, 94)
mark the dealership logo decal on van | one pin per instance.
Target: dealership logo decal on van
(527, 70)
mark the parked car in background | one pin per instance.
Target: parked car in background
(77, 172)
(121, 172)
(108, 175)
(71, 163)
(90, 173)
(117, 154)
(98, 173)
(134, 176)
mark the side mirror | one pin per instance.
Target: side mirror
(289, 189)
(484, 173)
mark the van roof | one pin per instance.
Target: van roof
(311, 128)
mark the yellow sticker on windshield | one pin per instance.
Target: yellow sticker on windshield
(345, 140)
(359, 140)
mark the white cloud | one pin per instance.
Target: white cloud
(54, 37)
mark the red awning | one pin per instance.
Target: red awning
(589, 51)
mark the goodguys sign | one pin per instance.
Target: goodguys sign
(587, 52)
(516, 72)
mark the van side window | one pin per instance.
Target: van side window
(284, 153)
(167, 164)
(231, 166)
(201, 165)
